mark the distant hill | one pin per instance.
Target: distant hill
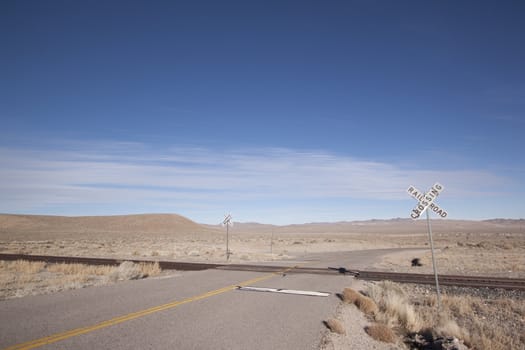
(506, 221)
(42, 227)
(388, 226)
(60, 226)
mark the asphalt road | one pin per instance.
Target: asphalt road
(189, 310)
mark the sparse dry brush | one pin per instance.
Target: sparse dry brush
(394, 308)
(350, 295)
(364, 303)
(390, 308)
(80, 269)
(397, 311)
(490, 322)
(483, 323)
(335, 326)
(367, 305)
(381, 332)
(22, 266)
(150, 269)
(21, 278)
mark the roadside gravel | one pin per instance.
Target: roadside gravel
(354, 322)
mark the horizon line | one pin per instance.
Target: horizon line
(262, 223)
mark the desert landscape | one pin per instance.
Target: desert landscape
(492, 247)
(487, 248)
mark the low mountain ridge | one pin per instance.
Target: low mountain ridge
(37, 227)
(126, 224)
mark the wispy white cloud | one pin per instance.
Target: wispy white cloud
(110, 175)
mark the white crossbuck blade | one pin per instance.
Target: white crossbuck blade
(284, 291)
(426, 201)
(228, 220)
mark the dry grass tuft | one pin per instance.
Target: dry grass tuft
(335, 326)
(381, 332)
(481, 323)
(131, 271)
(80, 269)
(447, 327)
(22, 266)
(364, 303)
(394, 307)
(21, 278)
(350, 295)
(367, 305)
(149, 269)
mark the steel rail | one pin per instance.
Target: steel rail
(449, 280)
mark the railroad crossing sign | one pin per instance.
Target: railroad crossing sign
(426, 201)
(228, 221)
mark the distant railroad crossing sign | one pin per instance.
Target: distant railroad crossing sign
(426, 201)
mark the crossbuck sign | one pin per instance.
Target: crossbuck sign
(426, 201)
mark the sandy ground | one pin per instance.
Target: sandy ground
(354, 323)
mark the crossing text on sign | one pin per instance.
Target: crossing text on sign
(426, 201)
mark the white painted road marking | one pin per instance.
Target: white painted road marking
(134, 315)
(284, 291)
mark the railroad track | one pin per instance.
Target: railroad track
(165, 265)
(448, 280)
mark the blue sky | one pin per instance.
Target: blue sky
(276, 111)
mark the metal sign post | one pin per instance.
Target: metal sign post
(271, 244)
(433, 261)
(426, 202)
(228, 221)
(227, 242)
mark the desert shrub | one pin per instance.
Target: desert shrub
(150, 269)
(335, 326)
(21, 278)
(126, 271)
(131, 271)
(381, 332)
(24, 266)
(80, 269)
(363, 303)
(476, 321)
(506, 246)
(394, 306)
(350, 296)
(447, 327)
(484, 245)
(480, 323)
(367, 305)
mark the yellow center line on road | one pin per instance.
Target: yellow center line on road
(83, 330)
